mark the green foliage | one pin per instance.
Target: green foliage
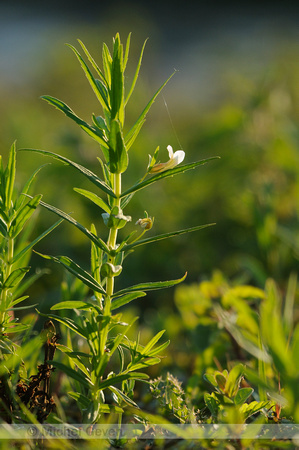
(94, 320)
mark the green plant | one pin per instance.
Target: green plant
(96, 322)
(15, 250)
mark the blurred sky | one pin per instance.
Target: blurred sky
(196, 37)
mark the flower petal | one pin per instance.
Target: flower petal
(179, 156)
(170, 151)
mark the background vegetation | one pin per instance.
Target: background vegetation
(236, 95)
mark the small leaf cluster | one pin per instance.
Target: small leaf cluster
(227, 403)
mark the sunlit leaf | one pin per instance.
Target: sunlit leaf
(94, 198)
(160, 237)
(117, 302)
(151, 286)
(86, 172)
(168, 173)
(76, 270)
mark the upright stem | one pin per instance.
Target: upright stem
(7, 272)
(112, 239)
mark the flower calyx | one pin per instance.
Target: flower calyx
(146, 223)
(116, 219)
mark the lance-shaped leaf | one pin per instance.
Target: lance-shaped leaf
(95, 132)
(69, 323)
(23, 214)
(166, 174)
(72, 373)
(99, 94)
(125, 299)
(117, 82)
(22, 198)
(33, 243)
(136, 73)
(134, 131)
(94, 64)
(151, 286)
(15, 277)
(76, 304)
(122, 377)
(94, 198)
(3, 227)
(76, 270)
(118, 156)
(86, 172)
(160, 237)
(9, 175)
(99, 242)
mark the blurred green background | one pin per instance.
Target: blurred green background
(235, 95)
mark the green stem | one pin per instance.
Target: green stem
(112, 240)
(7, 272)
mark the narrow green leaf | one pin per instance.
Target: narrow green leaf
(262, 373)
(76, 270)
(95, 133)
(117, 341)
(29, 281)
(22, 198)
(14, 327)
(3, 227)
(107, 63)
(19, 300)
(159, 349)
(144, 363)
(123, 397)
(92, 61)
(74, 358)
(80, 398)
(84, 230)
(15, 277)
(33, 243)
(136, 74)
(94, 198)
(24, 214)
(69, 323)
(126, 56)
(9, 175)
(90, 78)
(95, 260)
(151, 286)
(132, 134)
(86, 172)
(75, 304)
(166, 174)
(152, 342)
(118, 156)
(78, 376)
(165, 236)
(117, 302)
(122, 377)
(117, 82)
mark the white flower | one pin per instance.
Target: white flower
(174, 159)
